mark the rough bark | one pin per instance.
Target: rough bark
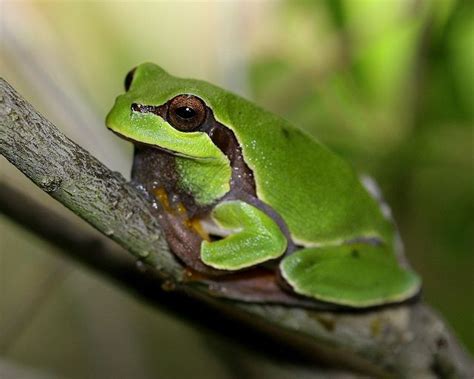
(408, 340)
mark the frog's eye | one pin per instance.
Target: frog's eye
(129, 79)
(186, 112)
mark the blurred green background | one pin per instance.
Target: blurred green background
(387, 84)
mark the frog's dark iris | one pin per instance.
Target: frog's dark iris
(186, 112)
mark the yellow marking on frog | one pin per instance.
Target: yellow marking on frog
(181, 209)
(162, 197)
(192, 223)
(195, 224)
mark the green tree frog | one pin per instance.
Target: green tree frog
(244, 195)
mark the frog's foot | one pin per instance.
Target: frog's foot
(355, 275)
(254, 238)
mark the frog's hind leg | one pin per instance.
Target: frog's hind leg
(355, 275)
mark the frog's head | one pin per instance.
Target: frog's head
(166, 112)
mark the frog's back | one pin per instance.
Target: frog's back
(317, 193)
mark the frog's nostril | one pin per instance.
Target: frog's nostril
(139, 108)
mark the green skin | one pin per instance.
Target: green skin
(330, 216)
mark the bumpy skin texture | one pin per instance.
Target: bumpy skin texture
(313, 195)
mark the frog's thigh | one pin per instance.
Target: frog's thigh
(254, 238)
(356, 275)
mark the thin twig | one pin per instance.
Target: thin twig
(401, 341)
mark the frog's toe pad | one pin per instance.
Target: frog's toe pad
(355, 275)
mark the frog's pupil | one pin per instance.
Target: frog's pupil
(185, 112)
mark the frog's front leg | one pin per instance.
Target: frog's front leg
(255, 237)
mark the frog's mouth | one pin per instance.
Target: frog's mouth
(157, 147)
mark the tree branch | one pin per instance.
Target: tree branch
(406, 340)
